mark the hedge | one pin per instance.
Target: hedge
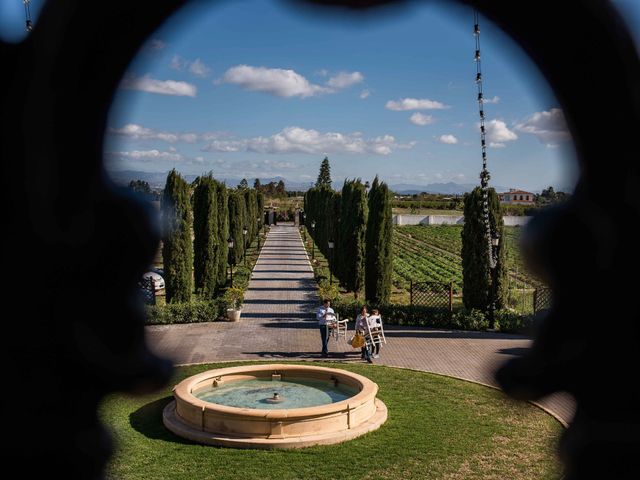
(192, 312)
(420, 316)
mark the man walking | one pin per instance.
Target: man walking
(325, 314)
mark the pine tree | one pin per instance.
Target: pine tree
(257, 185)
(205, 242)
(351, 249)
(379, 250)
(324, 177)
(177, 249)
(477, 277)
(243, 185)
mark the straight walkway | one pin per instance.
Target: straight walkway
(278, 323)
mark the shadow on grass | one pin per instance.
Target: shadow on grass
(336, 356)
(147, 420)
(427, 332)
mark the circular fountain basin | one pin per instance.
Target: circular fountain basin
(274, 406)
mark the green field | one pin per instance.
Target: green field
(432, 253)
(438, 427)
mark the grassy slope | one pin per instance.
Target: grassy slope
(437, 428)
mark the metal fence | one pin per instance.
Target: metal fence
(542, 299)
(432, 294)
(148, 290)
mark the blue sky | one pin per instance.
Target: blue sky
(252, 88)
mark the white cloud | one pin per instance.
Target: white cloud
(275, 81)
(300, 140)
(549, 127)
(498, 133)
(365, 94)
(226, 146)
(497, 145)
(448, 139)
(495, 99)
(420, 119)
(415, 104)
(199, 69)
(149, 155)
(345, 79)
(177, 63)
(162, 87)
(138, 132)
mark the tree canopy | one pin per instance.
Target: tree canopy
(324, 176)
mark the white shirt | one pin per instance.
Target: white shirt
(322, 320)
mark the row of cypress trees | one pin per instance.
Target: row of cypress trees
(360, 225)
(198, 220)
(362, 230)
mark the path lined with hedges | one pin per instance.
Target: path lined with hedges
(278, 323)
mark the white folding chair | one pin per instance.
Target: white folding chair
(374, 334)
(336, 328)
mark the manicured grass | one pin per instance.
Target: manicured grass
(437, 428)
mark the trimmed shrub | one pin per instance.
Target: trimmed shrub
(512, 322)
(470, 320)
(191, 312)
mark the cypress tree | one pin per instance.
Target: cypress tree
(260, 204)
(237, 217)
(205, 232)
(222, 231)
(324, 177)
(353, 220)
(251, 216)
(177, 249)
(379, 251)
(322, 205)
(477, 277)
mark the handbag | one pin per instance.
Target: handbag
(357, 341)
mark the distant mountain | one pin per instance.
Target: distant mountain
(449, 188)
(158, 179)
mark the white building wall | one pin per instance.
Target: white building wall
(510, 221)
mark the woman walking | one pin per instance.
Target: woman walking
(361, 327)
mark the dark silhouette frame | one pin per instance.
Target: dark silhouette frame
(81, 330)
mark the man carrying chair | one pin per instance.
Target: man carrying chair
(325, 315)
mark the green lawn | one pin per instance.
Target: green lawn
(437, 428)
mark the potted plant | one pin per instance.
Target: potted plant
(234, 297)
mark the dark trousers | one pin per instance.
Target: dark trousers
(325, 339)
(366, 354)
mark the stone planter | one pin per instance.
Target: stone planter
(233, 315)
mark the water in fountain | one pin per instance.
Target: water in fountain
(259, 393)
